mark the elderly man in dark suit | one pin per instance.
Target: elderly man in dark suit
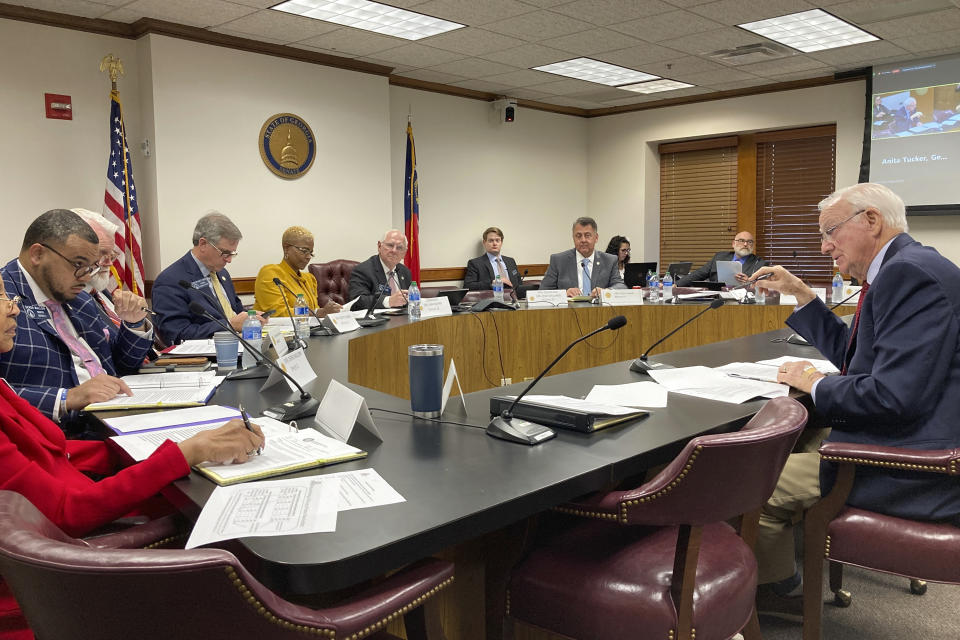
(581, 270)
(66, 354)
(482, 271)
(215, 242)
(900, 373)
(743, 244)
(382, 273)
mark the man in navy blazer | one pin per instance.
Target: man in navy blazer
(900, 369)
(568, 271)
(215, 241)
(480, 272)
(58, 257)
(382, 273)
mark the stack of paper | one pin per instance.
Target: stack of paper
(154, 390)
(704, 382)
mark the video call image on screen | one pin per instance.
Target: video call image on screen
(915, 130)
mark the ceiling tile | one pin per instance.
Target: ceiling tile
(688, 3)
(800, 75)
(528, 94)
(930, 42)
(545, 4)
(247, 36)
(396, 66)
(946, 20)
(472, 12)
(259, 4)
(352, 41)
(527, 55)
(859, 53)
(482, 85)
(473, 68)
(709, 41)
(72, 7)
(603, 94)
(574, 102)
(417, 55)
(733, 12)
(429, 75)
(592, 41)
(523, 78)
(682, 65)
(538, 25)
(471, 41)
(279, 26)
(639, 56)
(564, 87)
(709, 78)
(739, 84)
(790, 64)
(208, 13)
(666, 26)
(605, 12)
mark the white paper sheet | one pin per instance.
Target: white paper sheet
(178, 417)
(172, 379)
(635, 394)
(704, 382)
(823, 366)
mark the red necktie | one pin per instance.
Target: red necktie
(114, 318)
(851, 346)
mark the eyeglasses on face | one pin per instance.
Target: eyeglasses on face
(748, 243)
(395, 246)
(306, 251)
(80, 270)
(106, 261)
(827, 234)
(223, 253)
(7, 304)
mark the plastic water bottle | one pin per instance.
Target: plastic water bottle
(837, 289)
(667, 287)
(301, 313)
(498, 289)
(413, 301)
(654, 288)
(252, 332)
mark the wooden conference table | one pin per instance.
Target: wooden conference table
(461, 484)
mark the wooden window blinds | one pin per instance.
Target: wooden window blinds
(795, 171)
(698, 200)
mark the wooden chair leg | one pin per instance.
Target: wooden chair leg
(752, 630)
(685, 577)
(423, 623)
(836, 576)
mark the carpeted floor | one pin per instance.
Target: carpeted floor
(882, 609)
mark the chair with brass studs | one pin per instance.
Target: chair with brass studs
(69, 588)
(841, 534)
(660, 560)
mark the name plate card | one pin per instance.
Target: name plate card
(296, 365)
(547, 298)
(342, 322)
(435, 307)
(621, 297)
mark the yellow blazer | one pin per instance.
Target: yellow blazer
(268, 296)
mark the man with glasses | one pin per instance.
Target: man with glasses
(382, 273)
(743, 245)
(581, 270)
(66, 354)
(215, 241)
(297, 244)
(899, 382)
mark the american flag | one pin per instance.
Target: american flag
(120, 202)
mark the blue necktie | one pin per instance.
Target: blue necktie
(586, 278)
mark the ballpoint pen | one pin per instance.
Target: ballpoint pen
(246, 422)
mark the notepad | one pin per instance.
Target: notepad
(155, 390)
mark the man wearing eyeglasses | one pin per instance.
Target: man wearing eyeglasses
(382, 273)
(66, 354)
(215, 241)
(297, 245)
(743, 245)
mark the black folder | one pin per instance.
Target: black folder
(559, 417)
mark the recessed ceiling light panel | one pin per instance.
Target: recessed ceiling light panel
(808, 31)
(592, 70)
(656, 86)
(370, 16)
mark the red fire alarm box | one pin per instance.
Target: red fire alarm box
(58, 107)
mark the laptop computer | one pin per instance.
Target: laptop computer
(635, 273)
(679, 269)
(455, 296)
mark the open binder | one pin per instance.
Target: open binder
(561, 418)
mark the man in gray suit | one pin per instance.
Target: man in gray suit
(581, 270)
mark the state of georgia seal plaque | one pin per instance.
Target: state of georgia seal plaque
(287, 145)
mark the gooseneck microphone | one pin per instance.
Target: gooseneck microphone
(369, 320)
(506, 428)
(641, 365)
(306, 406)
(515, 290)
(796, 266)
(293, 321)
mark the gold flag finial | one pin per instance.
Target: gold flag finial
(112, 64)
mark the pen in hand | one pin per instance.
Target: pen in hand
(752, 282)
(246, 422)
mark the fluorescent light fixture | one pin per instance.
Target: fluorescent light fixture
(596, 71)
(808, 31)
(370, 16)
(656, 86)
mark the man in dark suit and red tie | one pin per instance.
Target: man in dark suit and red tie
(900, 375)
(482, 271)
(382, 273)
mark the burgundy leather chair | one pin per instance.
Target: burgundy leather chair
(841, 534)
(660, 561)
(69, 588)
(333, 280)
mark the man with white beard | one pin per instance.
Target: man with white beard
(742, 246)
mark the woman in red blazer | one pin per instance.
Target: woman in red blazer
(37, 461)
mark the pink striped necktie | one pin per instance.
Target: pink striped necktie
(90, 362)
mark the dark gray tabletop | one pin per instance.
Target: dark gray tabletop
(460, 483)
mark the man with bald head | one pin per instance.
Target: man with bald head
(297, 244)
(66, 355)
(743, 244)
(383, 273)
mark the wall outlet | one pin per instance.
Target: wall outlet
(505, 381)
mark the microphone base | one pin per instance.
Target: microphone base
(522, 431)
(250, 373)
(644, 366)
(372, 322)
(293, 410)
